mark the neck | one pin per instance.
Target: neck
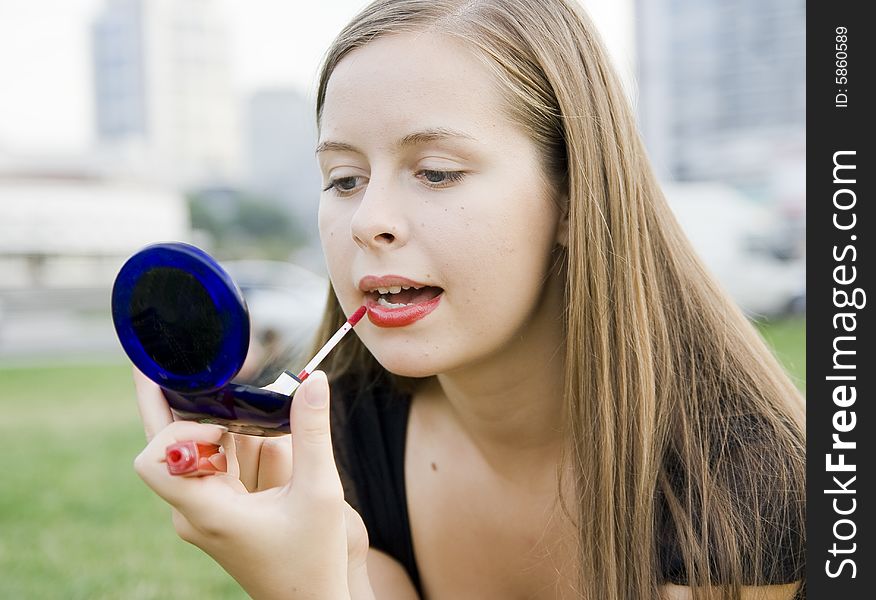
(511, 404)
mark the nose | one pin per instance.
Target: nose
(378, 223)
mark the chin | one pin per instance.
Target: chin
(408, 362)
(405, 366)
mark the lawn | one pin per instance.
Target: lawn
(788, 340)
(75, 520)
(77, 523)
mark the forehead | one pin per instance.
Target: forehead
(408, 81)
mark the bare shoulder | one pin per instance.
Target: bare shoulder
(767, 592)
(388, 578)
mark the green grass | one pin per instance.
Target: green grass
(787, 337)
(75, 520)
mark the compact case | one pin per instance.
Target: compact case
(184, 323)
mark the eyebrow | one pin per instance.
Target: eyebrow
(412, 139)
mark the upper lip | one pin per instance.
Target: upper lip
(370, 283)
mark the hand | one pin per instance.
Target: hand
(297, 539)
(258, 462)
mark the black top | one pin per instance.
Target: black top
(369, 434)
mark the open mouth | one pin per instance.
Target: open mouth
(398, 297)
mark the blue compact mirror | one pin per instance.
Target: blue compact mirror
(184, 323)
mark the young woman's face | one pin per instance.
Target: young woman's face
(428, 180)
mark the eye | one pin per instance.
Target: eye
(342, 185)
(439, 179)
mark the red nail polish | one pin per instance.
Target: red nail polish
(190, 458)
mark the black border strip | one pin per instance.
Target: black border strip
(840, 124)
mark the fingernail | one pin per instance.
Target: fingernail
(220, 461)
(223, 428)
(315, 398)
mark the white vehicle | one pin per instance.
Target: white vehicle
(732, 235)
(285, 303)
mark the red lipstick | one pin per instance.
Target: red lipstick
(370, 282)
(384, 316)
(191, 459)
(415, 304)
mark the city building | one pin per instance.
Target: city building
(281, 138)
(722, 92)
(64, 228)
(164, 99)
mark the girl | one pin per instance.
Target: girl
(550, 397)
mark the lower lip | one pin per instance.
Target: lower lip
(399, 317)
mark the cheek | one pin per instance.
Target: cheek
(326, 223)
(337, 250)
(496, 261)
(511, 234)
(334, 227)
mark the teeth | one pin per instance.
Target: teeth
(383, 302)
(395, 289)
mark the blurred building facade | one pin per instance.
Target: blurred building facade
(281, 138)
(73, 228)
(722, 92)
(164, 97)
(721, 108)
(65, 230)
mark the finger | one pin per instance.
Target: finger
(229, 447)
(154, 411)
(315, 471)
(150, 465)
(357, 537)
(219, 462)
(275, 462)
(248, 448)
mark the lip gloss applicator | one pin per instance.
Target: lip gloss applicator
(287, 383)
(187, 458)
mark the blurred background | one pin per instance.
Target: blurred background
(125, 122)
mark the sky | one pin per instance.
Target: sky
(45, 71)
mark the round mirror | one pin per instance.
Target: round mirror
(180, 318)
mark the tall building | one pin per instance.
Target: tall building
(163, 90)
(281, 138)
(722, 89)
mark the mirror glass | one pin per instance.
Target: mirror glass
(175, 320)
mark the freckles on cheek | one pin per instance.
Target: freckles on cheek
(455, 228)
(334, 229)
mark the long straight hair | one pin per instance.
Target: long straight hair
(670, 392)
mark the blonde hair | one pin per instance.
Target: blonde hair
(669, 390)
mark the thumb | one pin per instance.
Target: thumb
(313, 458)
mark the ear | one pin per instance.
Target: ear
(563, 224)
